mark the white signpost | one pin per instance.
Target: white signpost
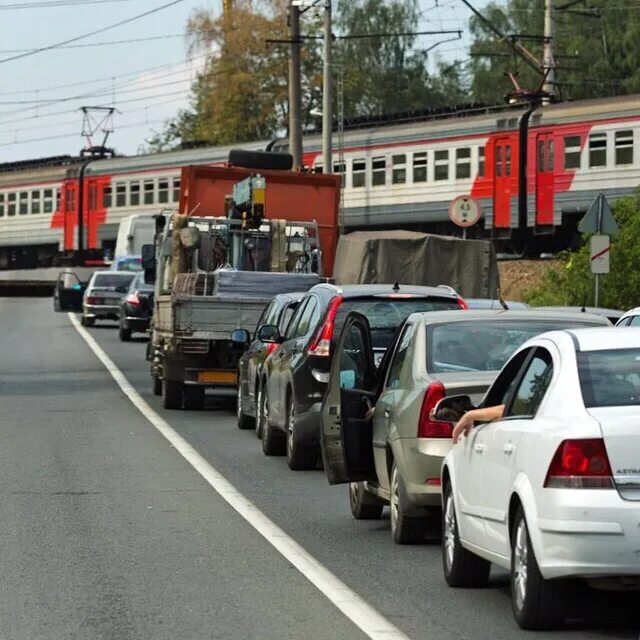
(600, 253)
(464, 211)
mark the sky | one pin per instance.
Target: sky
(147, 81)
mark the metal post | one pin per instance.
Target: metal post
(596, 297)
(327, 101)
(295, 93)
(549, 61)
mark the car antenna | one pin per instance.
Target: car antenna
(396, 286)
(503, 304)
(584, 304)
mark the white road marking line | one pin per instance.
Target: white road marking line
(363, 615)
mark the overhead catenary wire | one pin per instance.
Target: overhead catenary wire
(53, 4)
(106, 43)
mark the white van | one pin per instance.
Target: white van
(133, 232)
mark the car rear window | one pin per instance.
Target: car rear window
(482, 345)
(113, 280)
(130, 264)
(610, 378)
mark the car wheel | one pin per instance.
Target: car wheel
(244, 421)
(364, 505)
(461, 567)
(193, 398)
(259, 417)
(299, 457)
(156, 385)
(87, 322)
(273, 442)
(56, 304)
(404, 529)
(537, 603)
(124, 334)
(172, 394)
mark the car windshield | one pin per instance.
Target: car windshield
(482, 345)
(610, 378)
(112, 280)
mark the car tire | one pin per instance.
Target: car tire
(193, 398)
(156, 385)
(461, 567)
(244, 421)
(87, 322)
(172, 393)
(124, 334)
(364, 505)
(299, 457)
(56, 304)
(404, 529)
(273, 442)
(259, 419)
(537, 604)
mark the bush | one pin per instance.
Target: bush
(574, 283)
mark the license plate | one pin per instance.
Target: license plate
(218, 377)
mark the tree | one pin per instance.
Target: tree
(596, 56)
(573, 284)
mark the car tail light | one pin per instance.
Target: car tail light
(321, 345)
(462, 304)
(427, 427)
(580, 464)
(93, 300)
(270, 347)
(133, 299)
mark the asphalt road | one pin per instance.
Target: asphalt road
(107, 532)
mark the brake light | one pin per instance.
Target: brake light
(580, 464)
(93, 300)
(133, 299)
(428, 428)
(462, 304)
(270, 347)
(321, 345)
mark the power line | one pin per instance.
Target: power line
(104, 43)
(62, 43)
(53, 4)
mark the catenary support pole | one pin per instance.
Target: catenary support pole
(295, 92)
(327, 101)
(549, 60)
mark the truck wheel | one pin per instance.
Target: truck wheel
(273, 442)
(193, 398)
(124, 334)
(156, 384)
(172, 394)
(299, 457)
(244, 421)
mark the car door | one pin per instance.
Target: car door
(469, 455)
(505, 437)
(253, 356)
(346, 424)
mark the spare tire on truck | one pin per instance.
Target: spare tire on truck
(261, 160)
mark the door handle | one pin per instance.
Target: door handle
(479, 448)
(387, 414)
(508, 448)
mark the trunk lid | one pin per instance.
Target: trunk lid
(470, 383)
(620, 427)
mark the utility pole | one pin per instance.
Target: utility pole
(327, 102)
(548, 57)
(295, 91)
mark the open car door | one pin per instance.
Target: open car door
(346, 427)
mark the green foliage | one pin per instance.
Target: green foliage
(573, 284)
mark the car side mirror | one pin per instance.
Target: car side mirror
(452, 408)
(240, 339)
(269, 334)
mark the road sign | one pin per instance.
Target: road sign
(600, 252)
(464, 211)
(599, 218)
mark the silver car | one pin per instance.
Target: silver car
(101, 300)
(377, 429)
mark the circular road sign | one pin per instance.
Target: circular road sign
(464, 211)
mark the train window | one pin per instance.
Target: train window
(57, 199)
(149, 191)
(35, 202)
(481, 162)
(507, 160)
(317, 168)
(550, 156)
(379, 172)
(1, 205)
(420, 166)
(463, 163)
(540, 155)
(441, 165)
(121, 194)
(24, 203)
(572, 147)
(106, 197)
(11, 204)
(48, 200)
(163, 191)
(498, 161)
(598, 150)
(176, 189)
(134, 193)
(359, 173)
(624, 147)
(399, 174)
(340, 168)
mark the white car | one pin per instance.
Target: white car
(630, 319)
(551, 491)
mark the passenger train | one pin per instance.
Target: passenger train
(399, 174)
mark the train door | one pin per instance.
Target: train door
(545, 158)
(502, 183)
(69, 204)
(93, 194)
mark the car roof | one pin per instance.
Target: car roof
(601, 311)
(494, 303)
(358, 290)
(632, 312)
(599, 339)
(431, 317)
(131, 274)
(289, 297)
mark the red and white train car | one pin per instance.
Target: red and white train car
(396, 175)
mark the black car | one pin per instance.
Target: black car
(136, 308)
(296, 374)
(278, 312)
